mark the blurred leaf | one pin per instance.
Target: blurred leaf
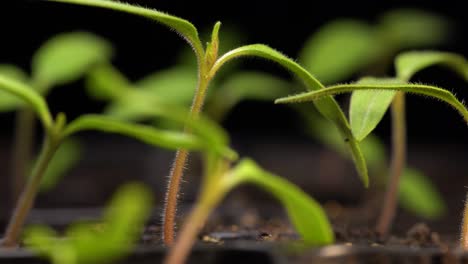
(29, 95)
(97, 244)
(367, 108)
(305, 213)
(409, 28)
(66, 57)
(173, 86)
(105, 82)
(339, 49)
(328, 107)
(373, 150)
(8, 101)
(426, 90)
(66, 157)
(409, 63)
(419, 196)
(245, 86)
(186, 29)
(149, 135)
(214, 137)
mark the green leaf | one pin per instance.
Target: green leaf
(107, 242)
(418, 195)
(409, 63)
(173, 86)
(128, 210)
(66, 57)
(367, 108)
(426, 90)
(9, 102)
(339, 49)
(328, 107)
(146, 134)
(244, 86)
(186, 29)
(27, 94)
(409, 28)
(105, 82)
(305, 213)
(211, 134)
(66, 157)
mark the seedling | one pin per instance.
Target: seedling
(205, 135)
(81, 51)
(105, 241)
(305, 213)
(209, 64)
(416, 193)
(372, 97)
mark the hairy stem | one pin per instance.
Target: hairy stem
(197, 218)
(397, 164)
(22, 150)
(29, 193)
(180, 160)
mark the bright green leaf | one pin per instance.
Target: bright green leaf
(409, 63)
(426, 90)
(66, 57)
(367, 108)
(328, 107)
(305, 213)
(408, 28)
(418, 195)
(9, 102)
(105, 82)
(186, 29)
(146, 134)
(29, 95)
(66, 157)
(125, 219)
(244, 86)
(339, 49)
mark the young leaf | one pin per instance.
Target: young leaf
(66, 57)
(66, 157)
(244, 86)
(328, 107)
(149, 135)
(8, 101)
(418, 195)
(409, 63)
(367, 108)
(426, 90)
(305, 213)
(105, 82)
(339, 49)
(97, 244)
(408, 28)
(27, 94)
(186, 29)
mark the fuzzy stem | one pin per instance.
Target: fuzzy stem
(197, 218)
(397, 164)
(180, 160)
(22, 150)
(464, 227)
(29, 193)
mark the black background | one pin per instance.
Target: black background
(143, 46)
